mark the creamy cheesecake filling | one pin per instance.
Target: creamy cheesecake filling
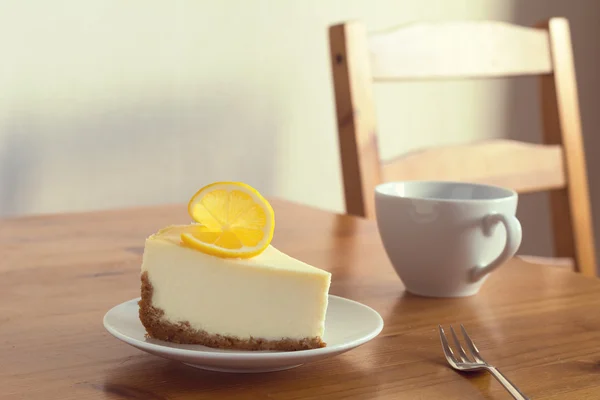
(271, 296)
(159, 328)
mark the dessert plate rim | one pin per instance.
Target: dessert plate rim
(208, 354)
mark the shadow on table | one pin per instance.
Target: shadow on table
(152, 378)
(416, 319)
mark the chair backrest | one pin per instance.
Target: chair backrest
(468, 49)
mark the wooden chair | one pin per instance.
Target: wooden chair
(475, 49)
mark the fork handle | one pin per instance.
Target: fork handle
(508, 385)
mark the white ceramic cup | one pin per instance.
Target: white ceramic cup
(444, 238)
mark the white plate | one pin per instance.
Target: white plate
(348, 324)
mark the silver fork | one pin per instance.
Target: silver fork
(473, 361)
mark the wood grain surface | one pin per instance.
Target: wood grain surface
(477, 49)
(60, 274)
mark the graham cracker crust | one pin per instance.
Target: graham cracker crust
(183, 333)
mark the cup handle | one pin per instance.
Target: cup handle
(513, 241)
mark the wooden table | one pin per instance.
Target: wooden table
(60, 274)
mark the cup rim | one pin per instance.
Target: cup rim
(506, 192)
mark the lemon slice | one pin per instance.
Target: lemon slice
(233, 221)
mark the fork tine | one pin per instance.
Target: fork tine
(446, 347)
(472, 348)
(461, 351)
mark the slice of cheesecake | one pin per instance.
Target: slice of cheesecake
(267, 302)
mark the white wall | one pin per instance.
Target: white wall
(112, 104)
